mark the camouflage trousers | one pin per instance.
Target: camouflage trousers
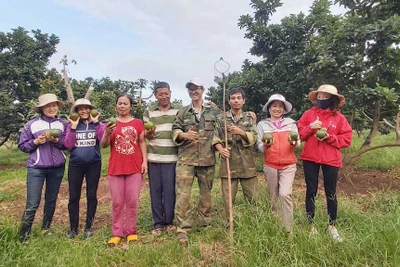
(184, 216)
(249, 187)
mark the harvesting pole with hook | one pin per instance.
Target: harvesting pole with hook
(222, 67)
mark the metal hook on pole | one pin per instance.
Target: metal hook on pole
(222, 67)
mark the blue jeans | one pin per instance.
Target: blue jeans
(34, 182)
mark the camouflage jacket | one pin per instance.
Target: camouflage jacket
(241, 161)
(200, 152)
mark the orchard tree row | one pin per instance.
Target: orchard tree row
(24, 57)
(358, 52)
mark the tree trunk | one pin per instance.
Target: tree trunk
(7, 136)
(375, 124)
(89, 91)
(397, 130)
(9, 147)
(68, 89)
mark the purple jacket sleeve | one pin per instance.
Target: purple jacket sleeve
(26, 139)
(70, 138)
(100, 130)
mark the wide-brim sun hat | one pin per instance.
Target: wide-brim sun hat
(196, 81)
(279, 97)
(82, 102)
(47, 99)
(327, 88)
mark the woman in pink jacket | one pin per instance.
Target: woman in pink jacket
(325, 131)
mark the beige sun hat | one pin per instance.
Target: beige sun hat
(278, 97)
(81, 102)
(46, 99)
(327, 88)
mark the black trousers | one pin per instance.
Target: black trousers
(76, 174)
(330, 174)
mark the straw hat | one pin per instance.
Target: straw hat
(46, 99)
(279, 97)
(81, 102)
(327, 88)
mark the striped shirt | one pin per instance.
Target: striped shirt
(161, 148)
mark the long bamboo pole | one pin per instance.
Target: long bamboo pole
(227, 165)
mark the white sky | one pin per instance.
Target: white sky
(171, 40)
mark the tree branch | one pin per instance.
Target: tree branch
(370, 119)
(89, 91)
(359, 153)
(389, 124)
(6, 137)
(365, 114)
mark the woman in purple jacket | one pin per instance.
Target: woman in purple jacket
(83, 141)
(42, 137)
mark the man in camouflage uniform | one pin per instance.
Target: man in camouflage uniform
(192, 132)
(242, 135)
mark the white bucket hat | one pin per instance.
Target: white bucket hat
(279, 97)
(81, 102)
(196, 81)
(47, 99)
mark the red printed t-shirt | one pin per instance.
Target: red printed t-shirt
(125, 154)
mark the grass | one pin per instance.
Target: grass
(370, 226)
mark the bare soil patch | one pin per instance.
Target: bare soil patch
(363, 182)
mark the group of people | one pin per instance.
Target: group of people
(179, 146)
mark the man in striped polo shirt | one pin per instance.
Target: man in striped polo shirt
(162, 156)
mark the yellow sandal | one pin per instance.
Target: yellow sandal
(114, 241)
(132, 238)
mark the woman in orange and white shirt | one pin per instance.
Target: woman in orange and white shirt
(279, 157)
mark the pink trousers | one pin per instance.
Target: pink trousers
(125, 191)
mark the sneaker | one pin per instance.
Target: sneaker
(47, 232)
(88, 233)
(313, 231)
(24, 238)
(335, 234)
(71, 234)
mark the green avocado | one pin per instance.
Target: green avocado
(321, 133)
(294, 136)
(148, 125)
(74, 116)
(54, 133)
(94, 112)
(111, 120)
(267, 137)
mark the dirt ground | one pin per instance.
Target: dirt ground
(363, 182)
